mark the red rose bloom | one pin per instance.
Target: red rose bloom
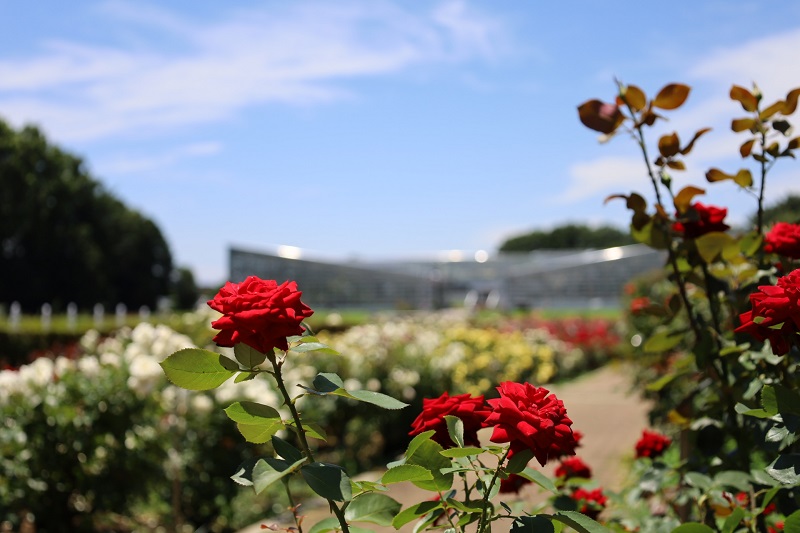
(513, 483)
(590, 502)
(652, 444)
(639, 305)
(783, 239)
(573, 467)
(259, 313)
(530, 417)
(700, 219)
(471, 411)
(778, 309)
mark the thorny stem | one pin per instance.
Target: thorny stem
(484, 520)
(673, 261)
(301, 434)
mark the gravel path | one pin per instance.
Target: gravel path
(601, 407)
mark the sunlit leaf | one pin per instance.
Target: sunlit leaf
(743, 124)
(669, 145)
(786, 469)
(688, 148)
(373, 508)
(777, 107)
(746, 147)
(268, 471)
(197, 369)
(790, 104)
(672, 96)
(248, 412)
(685, 196)
(634, 97)
(401, 473)
(743, 178)
(712, 244)
(746, 98)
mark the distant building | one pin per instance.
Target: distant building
(542, 279)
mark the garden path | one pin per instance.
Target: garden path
(601, 406)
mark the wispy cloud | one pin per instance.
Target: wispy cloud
(135, 165)
(183, 72)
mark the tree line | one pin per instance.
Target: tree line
(65, 238)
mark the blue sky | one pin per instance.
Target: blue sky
(380, 129)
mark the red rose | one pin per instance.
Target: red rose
(700, 219)
(640, 305)
(530, 417)
(471, 411)
(590, 502)
(513, 484)
(783, 239)
(573, 467)
(259, 313)
(652, 444)
(777, 309)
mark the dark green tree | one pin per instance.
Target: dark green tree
(185, 292)
(568, 236)
(785, 210)
(64, 238)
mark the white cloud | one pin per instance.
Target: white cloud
(604, 176)
(296, 54)
(128, 164)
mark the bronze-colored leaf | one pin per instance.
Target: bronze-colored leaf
(649, 118)
(637, 203)
(669, 145)
(634, 97)
(746, 98)
(672, 96)
(614, 197)
(777, 107)
(743, 178)
(743, 124)
(688, 147)
(684, 198)
(676, 165)
(600, 116)
(773, 149)
(793, 144)
(660, 161)
(790, 104)
(747, 147)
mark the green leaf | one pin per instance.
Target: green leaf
(251, 413)
(327, 480)
(260, 433)
(714, 244)
(417, 441)
(701, 481)
(428, 455)
(314, 347)
(693, 527)
(792, 523)
(248, 357)
(663, 340)
(268, 471)
(580, 522)
(415, 511)
(244, 475)
(375, 398)
(401, 473)
(519, 461)
(532, 524)
(244, 376)
(455, 428)
(540, 479)
(327, 382)
(461, 452)
(733, 478)
(326, 525)
(786, 469)
(286, 450)
(733, 520)
(196, 369)
(374, 508)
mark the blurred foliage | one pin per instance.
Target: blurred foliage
(64, 238)
(568, 237)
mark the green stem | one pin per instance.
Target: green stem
(484, 520)
(301, 434)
